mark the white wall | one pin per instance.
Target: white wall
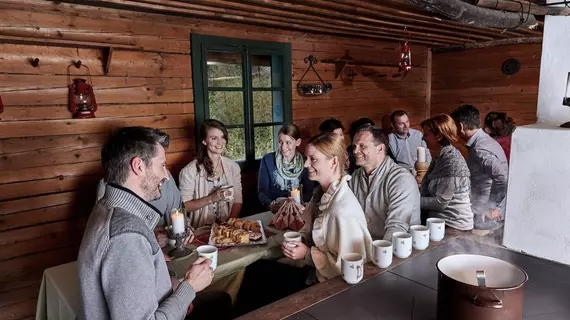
(554, 68)
(538, 200)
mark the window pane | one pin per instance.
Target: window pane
(226, 106)
(265, 140)
(235, 149)
(267, 106)
(224, 69)
(266, 71)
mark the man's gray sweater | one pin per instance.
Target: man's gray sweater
(122, 271)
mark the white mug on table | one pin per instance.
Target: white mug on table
(382, 253)
(402, 242)
(436, 229)
(291, 236)
(209, 252)
(352, 267)
(420, 237)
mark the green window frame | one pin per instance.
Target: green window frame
(265, 91)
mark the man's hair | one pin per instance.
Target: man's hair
(379, 136)
(127, 143)
(330, 125)
(468, 115)
(357, 124)
(396, 114)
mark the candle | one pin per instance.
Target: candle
(296, 195)
(177, 222)
(421, 154)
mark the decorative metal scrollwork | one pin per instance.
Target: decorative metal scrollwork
(313, 89)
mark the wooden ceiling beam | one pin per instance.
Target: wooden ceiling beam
(245, 8)
(521, 7)
(343, 17)
(489, 44)
(308, 26)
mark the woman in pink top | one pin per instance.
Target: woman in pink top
(501, 127)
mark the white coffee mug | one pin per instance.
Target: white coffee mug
(436, 229)
(209, 252)
(382, 253)
(352, 267)
(291, 236)
(402, 242)
(420, 237)
(228, 193)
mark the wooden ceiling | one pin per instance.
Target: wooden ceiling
(381, 20)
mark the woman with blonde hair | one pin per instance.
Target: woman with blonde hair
(334, 221)
(446, 185)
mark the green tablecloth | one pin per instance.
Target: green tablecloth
(59, 291)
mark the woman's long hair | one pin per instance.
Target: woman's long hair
(499, 124)
(444, 125)
(203, 150)
(331, 145)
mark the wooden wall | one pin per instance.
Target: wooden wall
(49, 163)
(475, 77)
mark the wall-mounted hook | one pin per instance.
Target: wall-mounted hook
(77, 64)
(35, 62)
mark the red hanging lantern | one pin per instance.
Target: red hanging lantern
(405, 62)
(81, 97)
(1, 106)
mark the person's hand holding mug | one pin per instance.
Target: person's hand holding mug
(217, 195)
(295, 250)
(200, 274)
(161, 236)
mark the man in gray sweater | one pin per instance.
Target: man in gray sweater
(388, 193)
(489, 168)
(122, 271)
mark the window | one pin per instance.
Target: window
(245, 84)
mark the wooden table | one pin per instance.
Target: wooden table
(324, 290)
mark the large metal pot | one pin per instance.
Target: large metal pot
(475, 287)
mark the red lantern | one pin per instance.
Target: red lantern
(1, 105)
(405, 62)
(81, 99)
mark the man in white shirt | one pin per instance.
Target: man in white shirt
(404, 141)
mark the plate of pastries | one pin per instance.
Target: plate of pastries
(237, 232)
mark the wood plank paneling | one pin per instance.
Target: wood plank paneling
(475, 77)
(50, 163)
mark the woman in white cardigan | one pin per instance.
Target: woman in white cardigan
(334, 221)
(201, 180)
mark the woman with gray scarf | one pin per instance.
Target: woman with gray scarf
(283, 169)
(446, 186)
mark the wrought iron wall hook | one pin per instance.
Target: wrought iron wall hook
(313, 89)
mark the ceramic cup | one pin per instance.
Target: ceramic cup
(382, 253)
(228, 193)
(352, 267)
(291, 236)
(420, 237)
(402, 242)
(436, 229)
(209, 252)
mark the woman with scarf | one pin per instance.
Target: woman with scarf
(283, 169)
(446, 185)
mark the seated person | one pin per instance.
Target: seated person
(404, 141)
(387, 192)
(201, 181)
(352, 131)
(500, 127)
(334, 221)
(446, 185)
(123, 273)
(333, 125)
(280, 170)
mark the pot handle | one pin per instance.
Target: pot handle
(488, 303)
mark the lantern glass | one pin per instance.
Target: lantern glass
(82, 100)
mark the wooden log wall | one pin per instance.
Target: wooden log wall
(475, 77)
(49, 163)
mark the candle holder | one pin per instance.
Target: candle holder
(296, 192)
(421, 169)
(180, 250)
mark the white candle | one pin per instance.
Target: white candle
(421, 154)
(296, 195)
(177, 222)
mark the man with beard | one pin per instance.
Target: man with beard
(122, 272)
(387, 192)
